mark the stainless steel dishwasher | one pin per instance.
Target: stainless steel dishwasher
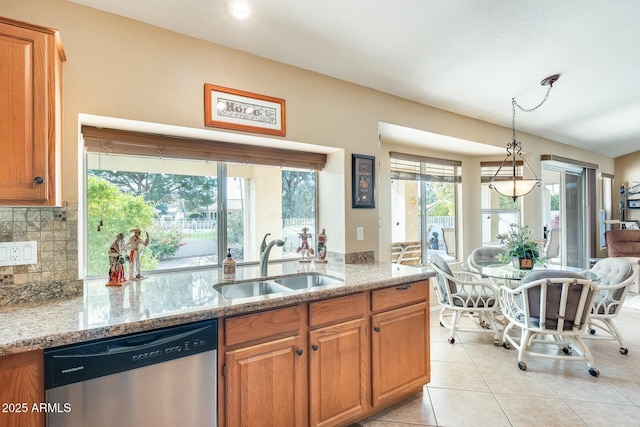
(165, 377)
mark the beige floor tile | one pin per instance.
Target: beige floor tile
(445, 352)
(458, 376)
(415, 411)
(508, 379)
(584, 387)
(459, 408)
(528, 411)
(381, 423)
(606, 415)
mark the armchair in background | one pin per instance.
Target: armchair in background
(625, 244)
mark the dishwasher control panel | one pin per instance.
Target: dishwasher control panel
(79, 362)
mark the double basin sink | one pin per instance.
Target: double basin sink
(282, 285)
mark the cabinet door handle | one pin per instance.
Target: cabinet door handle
(377, 329)
(299, 351)
(403, 288)
(38, 180)
(314, 347)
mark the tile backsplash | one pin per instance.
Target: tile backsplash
(56, 273)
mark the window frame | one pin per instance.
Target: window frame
(146, 145)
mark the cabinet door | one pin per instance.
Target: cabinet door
(30, 114)
(21, 387)
(338, 372)
(399, 352)
(266, 385)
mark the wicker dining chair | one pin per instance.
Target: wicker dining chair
(463, 295)
(616, 276)
(551, 308)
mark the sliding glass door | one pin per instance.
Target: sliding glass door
(565, 214)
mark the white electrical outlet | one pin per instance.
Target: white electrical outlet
(14, 253)
(18, 253)
(360, 233)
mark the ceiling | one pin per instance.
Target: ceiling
(465, 56)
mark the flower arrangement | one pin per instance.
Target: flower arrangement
(519, 244)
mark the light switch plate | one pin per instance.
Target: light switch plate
(360, 233)
(18, 253)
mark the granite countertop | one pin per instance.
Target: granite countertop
(167, 299)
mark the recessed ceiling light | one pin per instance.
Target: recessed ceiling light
(239, 9)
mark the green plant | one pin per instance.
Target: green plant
(519, 242)
(165, 243)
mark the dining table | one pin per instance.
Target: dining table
(507, 274)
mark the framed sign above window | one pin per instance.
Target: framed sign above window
(238, 110)
(363, 178)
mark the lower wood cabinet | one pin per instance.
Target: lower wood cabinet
(22, 387)
(399, 352)
(339, 363)
(325, 363)
(266, 384)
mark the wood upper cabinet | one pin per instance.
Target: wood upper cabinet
(30, 114)
(399, 342)
(338, 361)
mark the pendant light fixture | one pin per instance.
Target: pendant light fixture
(516, 185)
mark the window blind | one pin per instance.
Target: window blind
(419, 168)
(117, 141)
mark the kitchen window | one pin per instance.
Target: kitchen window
(194, 205)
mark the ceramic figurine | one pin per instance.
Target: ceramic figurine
(304, 248)
(133, 246)
(117, 276)
(322, 247)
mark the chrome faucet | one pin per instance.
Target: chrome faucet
(264, 252)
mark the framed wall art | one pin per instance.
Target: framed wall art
(363, 178)
(238, 110)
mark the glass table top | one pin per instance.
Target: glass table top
(509, 272)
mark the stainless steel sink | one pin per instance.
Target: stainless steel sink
(307, 281)
(250, 289)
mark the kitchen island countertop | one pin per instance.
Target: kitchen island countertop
(173, 298)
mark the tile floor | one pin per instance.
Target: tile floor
(474, 383)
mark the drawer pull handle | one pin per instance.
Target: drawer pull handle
(377, 329)
(38, 180)
(314, 347)
(403, 288)
(299, 351)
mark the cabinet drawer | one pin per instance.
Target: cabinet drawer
(263, 325)
(337, 309)
(400, 295)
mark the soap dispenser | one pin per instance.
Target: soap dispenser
(229, 267)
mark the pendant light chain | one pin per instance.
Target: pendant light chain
(518, 186)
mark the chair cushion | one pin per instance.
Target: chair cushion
(613, 271)
(483, 256)
(442, 281)
(554, 293)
